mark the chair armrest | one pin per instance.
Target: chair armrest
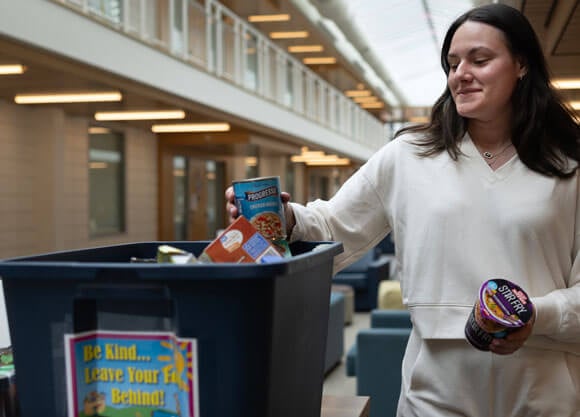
(381, 263)
(377, 271)
(351, 360)
(378, 367)
(390, 318)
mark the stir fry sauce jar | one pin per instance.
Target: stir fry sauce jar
(258, 200)
(500, 308)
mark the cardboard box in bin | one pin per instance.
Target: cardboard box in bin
(210, 340)
(240, 242)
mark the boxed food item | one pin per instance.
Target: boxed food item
(240, 243)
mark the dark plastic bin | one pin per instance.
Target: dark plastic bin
(260, 329)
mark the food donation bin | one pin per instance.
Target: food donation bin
(94, 334)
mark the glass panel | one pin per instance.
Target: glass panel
(108, 9)
(177, 27)
(180, 191)
(272, 90)
(289, 90)
(133, 16)
(157, 22)
(106, 183)
(228, 47)
(197, 33)
(251, 70)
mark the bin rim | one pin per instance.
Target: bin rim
(34, 266)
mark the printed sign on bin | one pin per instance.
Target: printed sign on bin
(131, 373)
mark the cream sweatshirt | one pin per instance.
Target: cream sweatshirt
(456, 224)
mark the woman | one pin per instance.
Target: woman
(488, 189)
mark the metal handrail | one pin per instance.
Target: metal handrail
(211, 37)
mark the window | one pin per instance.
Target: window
(106, 183)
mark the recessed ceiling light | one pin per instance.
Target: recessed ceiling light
(289, 35)
(368, 99)
(320, 60)
(12, 69)
(282, 17)
(329, 162)
(305, 48)
(68, 97)
(373, 105)
(357, 93)
(567, 83)
(191, 127)
(140, 115)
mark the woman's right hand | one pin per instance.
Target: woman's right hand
(233, 213)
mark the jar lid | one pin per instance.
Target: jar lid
(506, 303)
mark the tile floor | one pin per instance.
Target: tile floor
(336, 382)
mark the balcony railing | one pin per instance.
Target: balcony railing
(209, 36)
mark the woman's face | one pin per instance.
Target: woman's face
(483, 72)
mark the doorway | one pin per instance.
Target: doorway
(192, 204)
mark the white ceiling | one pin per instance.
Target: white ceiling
(406, 36)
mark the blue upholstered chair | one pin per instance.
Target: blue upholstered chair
(376, 358)
(335, 335)
(364, 276)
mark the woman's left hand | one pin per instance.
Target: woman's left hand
(513, 341)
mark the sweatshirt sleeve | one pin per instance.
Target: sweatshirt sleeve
(356, 215)
(558, 313)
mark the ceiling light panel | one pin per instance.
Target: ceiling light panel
(12, 69)
(191, 127)
(299, 34)
(375, 105)
(357, 93)
(324, 60)
(305, 48)
(282, 17)
(140, 115)
(86, 97)
(368, 99)
(567, 84)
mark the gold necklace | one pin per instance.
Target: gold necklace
(489, 155)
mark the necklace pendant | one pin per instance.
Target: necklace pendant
(487, 155)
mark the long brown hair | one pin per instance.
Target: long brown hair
(543, 129)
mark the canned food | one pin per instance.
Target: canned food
(258, 200)
(501, 307)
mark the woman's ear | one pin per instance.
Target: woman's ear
(523, 69)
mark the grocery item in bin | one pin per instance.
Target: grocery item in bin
(172, 255)
(241, 242)
(8, 400)
(258, 199)
(501, 307)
